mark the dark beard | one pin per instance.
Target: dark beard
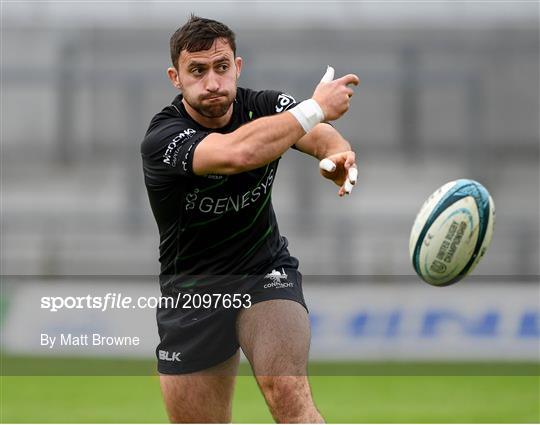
(212, 111)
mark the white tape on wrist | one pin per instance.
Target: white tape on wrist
(308, 113)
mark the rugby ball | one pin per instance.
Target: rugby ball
(452, 232)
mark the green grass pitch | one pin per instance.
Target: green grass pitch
(365, 398)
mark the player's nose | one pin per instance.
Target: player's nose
(212, 82)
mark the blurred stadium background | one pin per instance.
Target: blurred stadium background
(449, 90)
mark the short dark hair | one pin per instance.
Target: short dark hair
(199, 34)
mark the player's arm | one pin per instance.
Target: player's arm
(338, 161)
(322, 142)
(265, 139)
(251, 146)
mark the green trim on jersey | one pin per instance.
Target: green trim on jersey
(258, 243)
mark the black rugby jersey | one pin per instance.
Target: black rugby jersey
(213, 228)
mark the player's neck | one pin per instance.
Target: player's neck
(209, 122)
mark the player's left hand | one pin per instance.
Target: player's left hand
(341, 169)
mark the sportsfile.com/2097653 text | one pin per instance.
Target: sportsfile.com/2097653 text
(110, 301)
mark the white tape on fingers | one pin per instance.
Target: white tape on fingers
(348, 186)
(328, 75)
(353, 174)
(327, 165)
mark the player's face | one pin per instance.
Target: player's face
(208, 79)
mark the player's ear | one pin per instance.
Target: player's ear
(172, 73)
(238, 62)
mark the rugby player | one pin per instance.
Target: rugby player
(209, 160)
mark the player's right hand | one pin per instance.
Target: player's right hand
(333, 96)
(341, 169)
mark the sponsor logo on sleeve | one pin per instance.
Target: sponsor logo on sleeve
(170, 157)
(284, 102)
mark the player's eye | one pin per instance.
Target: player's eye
(223, 67)
(197, 71)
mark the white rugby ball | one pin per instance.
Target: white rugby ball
(452, 232)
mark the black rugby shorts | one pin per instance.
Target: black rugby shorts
(194, 339)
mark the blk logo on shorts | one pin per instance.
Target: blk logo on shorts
(172, 357)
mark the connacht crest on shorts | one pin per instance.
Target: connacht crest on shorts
(276, 276)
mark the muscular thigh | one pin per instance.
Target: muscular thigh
(201, 397)
(275, 337)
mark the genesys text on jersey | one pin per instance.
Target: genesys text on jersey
(218, 206)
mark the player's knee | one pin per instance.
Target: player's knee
(286, 396)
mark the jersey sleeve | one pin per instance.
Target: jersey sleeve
(270, 102)
(167, 150)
